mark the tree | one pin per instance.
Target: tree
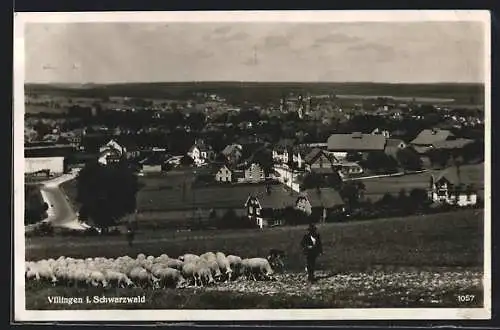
(402, 201)
(380, 162)
(473, 151)
(106, 193)
(409, 160)
(351, 194)
(313, 180)
(333, 180)
(418, 197)
(186, 161)
(438, 158)
(387, 201)
(264, 158)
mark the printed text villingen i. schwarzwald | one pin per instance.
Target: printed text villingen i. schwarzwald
(96, 300)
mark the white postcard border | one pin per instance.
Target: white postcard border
(20, 312)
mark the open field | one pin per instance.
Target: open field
(445, 239)
(172, 191)
(461, 93)
(377, 187)
(162, 203)
(422, 261)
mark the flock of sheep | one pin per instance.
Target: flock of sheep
(152, 272)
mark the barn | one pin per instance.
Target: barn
(50, 157)
(55, 165)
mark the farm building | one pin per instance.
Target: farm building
(319, 203)
(46, 157)
(113, 145)
(265, 206)
(341, 144)
(393, 146)
(452, 144)
(282, 150)
(201, 152)
(254, 173)
(109, 156)
(318, 159)
(426, 139)
(111, 152)
(449, 188)
(224, 174)
(55, 165)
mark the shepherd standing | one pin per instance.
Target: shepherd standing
(312, 247)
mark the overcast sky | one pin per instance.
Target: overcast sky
(340, 52)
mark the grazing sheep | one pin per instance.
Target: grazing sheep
(32, 274)
(147, 264)
(141, 277)
(96, 279)
(208, 256)
(188, 257)
(45, 273)
(204, 273)
(213, 266)
(255, 268)
(118, 279)
(189, 272)
(235, 264)
(174, 263)
(169, 277)
(224, 266)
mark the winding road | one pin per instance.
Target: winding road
(60, 213)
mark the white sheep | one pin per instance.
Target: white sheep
(235, 264)
(257, 268)
(213, 266)
(188, 257)
(189, 272)
(96, 279)
(143, 278)
(174, 263)
(208, 256)
(169, 277)
(45, 273)
(224, 265)
(118, 279)
(204, 273)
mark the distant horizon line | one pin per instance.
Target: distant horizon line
(258, 81)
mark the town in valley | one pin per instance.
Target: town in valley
(255, 166)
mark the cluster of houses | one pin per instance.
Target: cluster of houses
(266, 206)
(321, 158)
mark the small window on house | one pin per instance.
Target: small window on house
(250, 209)
(257, 211)
(469, 197)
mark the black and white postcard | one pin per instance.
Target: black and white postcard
(274, 165)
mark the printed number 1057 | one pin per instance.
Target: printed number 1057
(465, 298)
